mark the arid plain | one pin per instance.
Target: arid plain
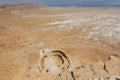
(90, 37)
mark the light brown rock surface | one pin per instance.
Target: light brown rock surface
(89, 37)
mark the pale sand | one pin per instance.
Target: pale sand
(89, 37)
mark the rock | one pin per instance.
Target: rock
(84, 72)
(113, 65)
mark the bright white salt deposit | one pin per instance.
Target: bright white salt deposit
(106, 25)
(47, 49)
(61, 22)
(41, 52)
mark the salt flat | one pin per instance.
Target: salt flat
(90, 37)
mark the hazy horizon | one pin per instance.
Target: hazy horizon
(84, 3)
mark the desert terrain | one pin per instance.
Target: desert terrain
(86, 40)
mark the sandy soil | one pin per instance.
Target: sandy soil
(86, 39)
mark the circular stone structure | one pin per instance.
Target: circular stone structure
(54, 62)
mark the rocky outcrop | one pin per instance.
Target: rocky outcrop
(57, 63)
